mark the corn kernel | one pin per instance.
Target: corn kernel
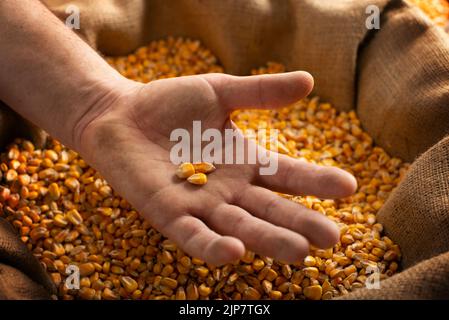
(313, 292)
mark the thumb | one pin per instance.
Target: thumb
(262, 91)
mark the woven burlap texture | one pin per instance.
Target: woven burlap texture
(416, 216)
(395, 77)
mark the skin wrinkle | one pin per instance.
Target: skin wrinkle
(287, 173)
(259, 93)
(270, 207)
(222, 82)
(239, 221)
(209, 248)
(217, 97)
(238, 196)
(220, 193)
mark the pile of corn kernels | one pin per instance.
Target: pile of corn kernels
(66, 213)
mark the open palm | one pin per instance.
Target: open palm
(128, 142)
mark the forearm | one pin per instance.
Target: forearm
(47, 73)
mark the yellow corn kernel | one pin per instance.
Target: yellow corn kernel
(53, 191)
(309, 261)
(271, 275)
(60, 221)
(11, 175)
(24, 179)
(169, 282)
(180, 294)
(275, 295)
(38, 233)
(204, 290)
(117, 270)
(108, 294)
(86, 269)
(192, 292)
(313, 292)
(258, 264)
(166, 257)
(86, 293)
(185, 261)
(58, 249)
(251, 294)
(347, 239)
(105, 211)
(72, 184)
(74, 217)
(202, 271)
(390, 255)
(311, 272)
(129, 284)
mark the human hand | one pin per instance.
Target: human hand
(128, 142)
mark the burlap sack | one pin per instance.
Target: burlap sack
(21, 275)
(395, 77)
